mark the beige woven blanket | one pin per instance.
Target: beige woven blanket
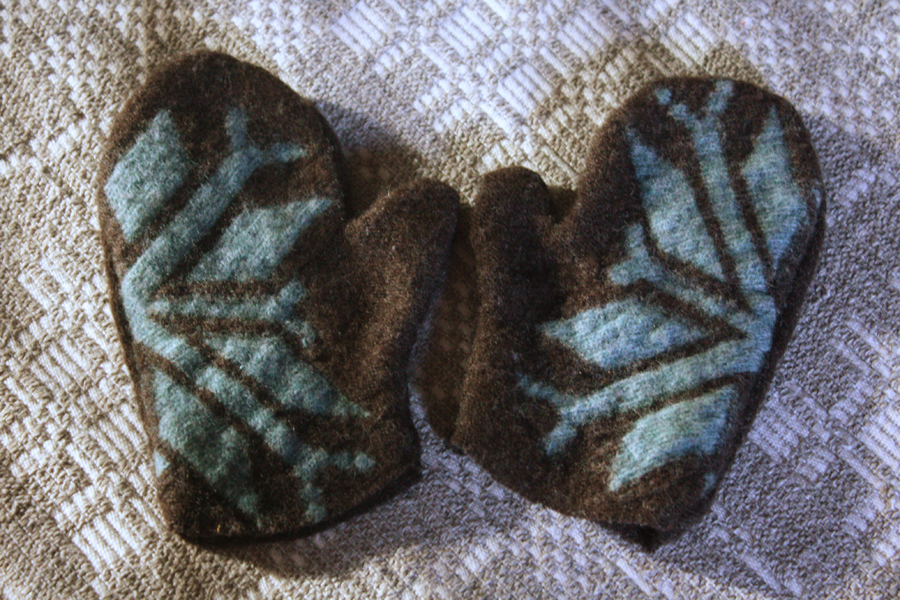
(450, 89)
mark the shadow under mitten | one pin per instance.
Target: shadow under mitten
(622, 348)
(268, 340)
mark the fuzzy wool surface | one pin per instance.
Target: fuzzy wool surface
(272, 387)
(452, 90)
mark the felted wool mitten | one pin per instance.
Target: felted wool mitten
(268, 340)
(621, 348)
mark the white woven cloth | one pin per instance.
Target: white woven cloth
(450, 90)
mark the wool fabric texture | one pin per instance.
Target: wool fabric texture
(452, 90)
(623, 344)
(268, 339)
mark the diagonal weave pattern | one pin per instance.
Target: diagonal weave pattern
(450, 90)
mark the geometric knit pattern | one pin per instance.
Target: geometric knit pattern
(690, 383)
(249, 249)
(450, 89)
(625, 341)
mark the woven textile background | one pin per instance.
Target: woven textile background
(450, 90)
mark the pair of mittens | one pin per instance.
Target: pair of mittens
(620, 351)
(622, 347)
(268, 339)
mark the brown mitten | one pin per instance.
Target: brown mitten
(622, 348)
(268, 340)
